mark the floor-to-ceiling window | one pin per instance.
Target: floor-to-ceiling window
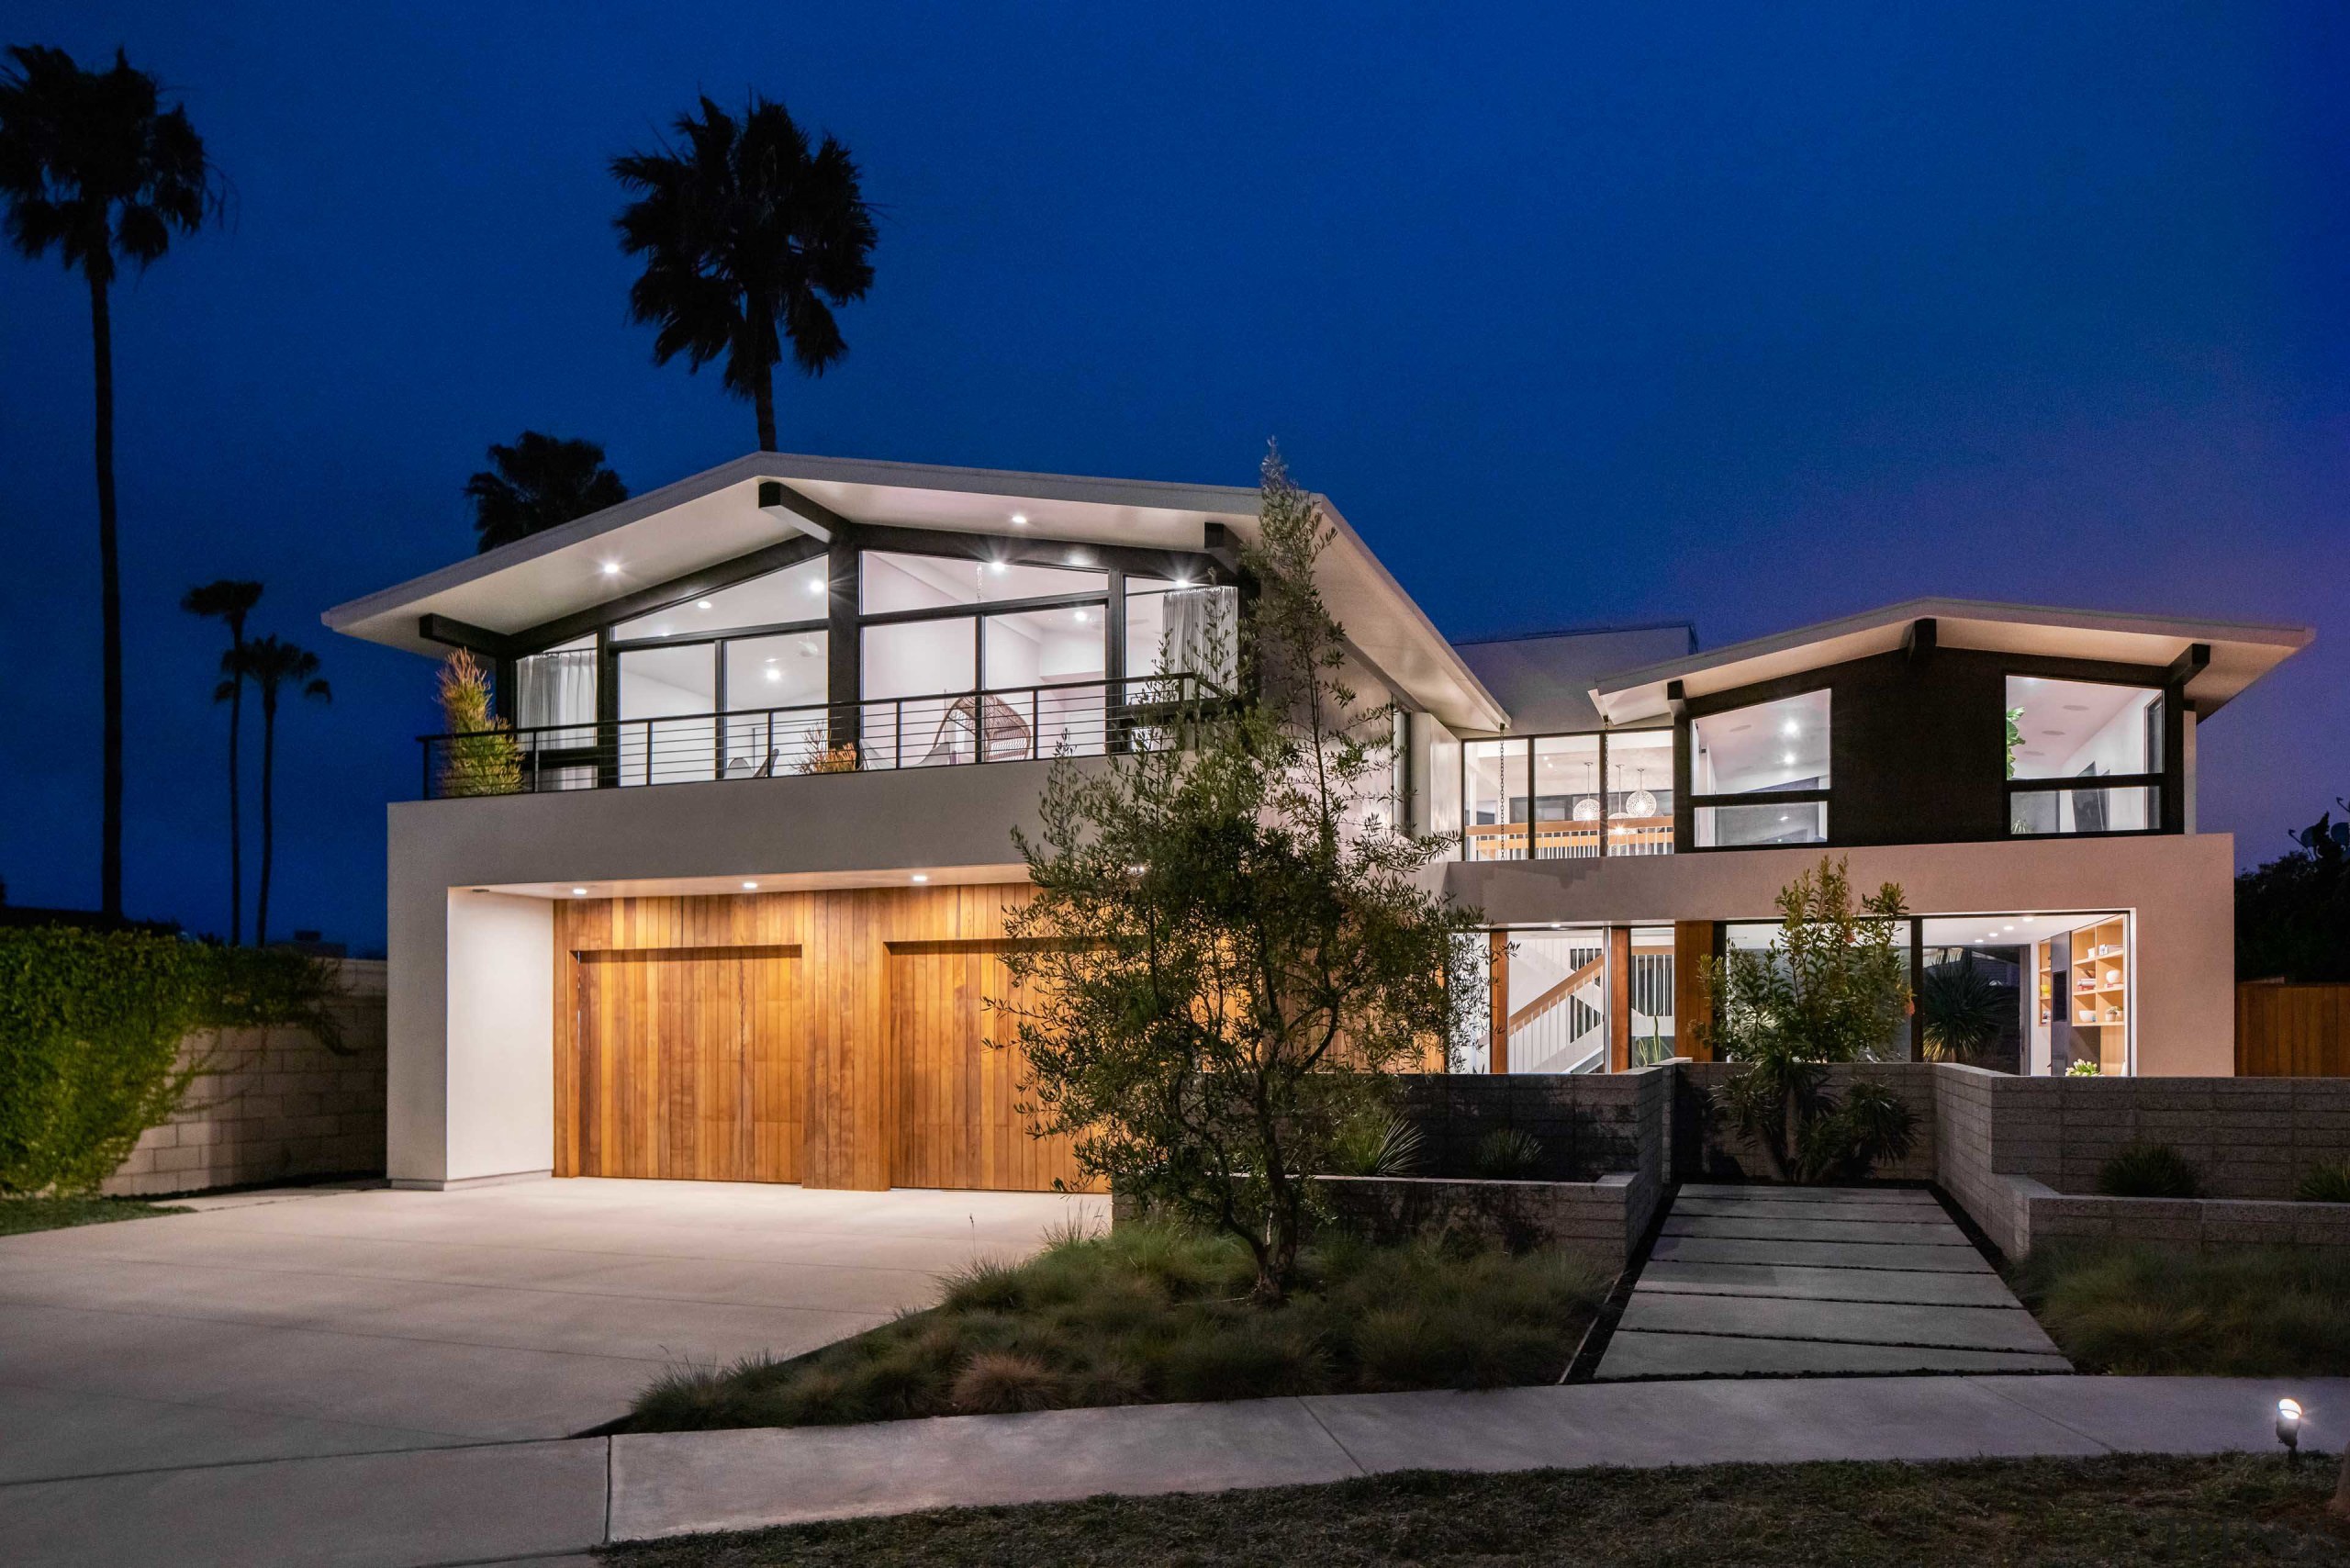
(731, 684)
(1567, 796)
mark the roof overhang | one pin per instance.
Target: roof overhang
(715, 516)
(2241, 653)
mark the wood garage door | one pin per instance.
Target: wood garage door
(690, 1063)
(958, 1124)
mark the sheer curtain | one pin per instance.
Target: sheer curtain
(558, 687)
(1199, 631)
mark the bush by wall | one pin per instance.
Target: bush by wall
(91, 1028)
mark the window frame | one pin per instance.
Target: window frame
(1532, 740)
(1686, 803)
(2163, 781)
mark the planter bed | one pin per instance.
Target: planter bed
(2141, 1307)
(1150, 1314)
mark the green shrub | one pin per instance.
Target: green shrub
(1508, 1154)
(1251, 1357)
(995, 1382)
(2235, 1312)
(2327, 1184)
(91, 1028)
(1376, 1144)
(985, 1286)
(2149, 1170)
(1417, 1347)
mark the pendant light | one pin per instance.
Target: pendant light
(1587, 809)
(1639, 803)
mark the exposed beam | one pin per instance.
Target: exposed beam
(1676, 697)
(1918, 642)
(2189, 665)
(693, 585)
(793, 509)
(453, 632)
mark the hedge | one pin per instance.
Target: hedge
(91, 1028)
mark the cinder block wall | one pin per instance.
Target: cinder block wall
(1589, 1124)
(279, 1105)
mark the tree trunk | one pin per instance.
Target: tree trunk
(763, 399)
(268, 835)
(109, 610)
(236, 825)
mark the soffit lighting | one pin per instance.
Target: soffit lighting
(703, 604)
(1081, 618)
(773, 673)
(1020, 519)
(579, 892)
(922, 876)
(815, 584)
(611, 568)
(750, 886)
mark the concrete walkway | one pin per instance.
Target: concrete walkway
(307, 1322)
(550, 1499)
(1748, 1281)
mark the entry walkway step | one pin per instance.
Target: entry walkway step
(1791, 1282)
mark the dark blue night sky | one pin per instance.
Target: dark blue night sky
(1709, 312)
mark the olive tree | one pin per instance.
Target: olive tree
(1231, 941)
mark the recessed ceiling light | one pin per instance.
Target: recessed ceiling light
(1792, 729)
(1020, 519)
(1789, 759)
(579, 892)
(922, 877)
(611, 568)
(2030, 918)
(773, 673)
(703, 604)
(996, 566)
(750, 886)
(815, 584)
(1182, 582)
(1081, 617)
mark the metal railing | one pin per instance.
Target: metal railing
(1020, 724)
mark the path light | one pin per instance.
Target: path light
(2289, 1425)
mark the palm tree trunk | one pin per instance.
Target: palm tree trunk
(236, 832)
(268, 834)
(763, 399)
(109, 609)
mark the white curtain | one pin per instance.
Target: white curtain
(558, 689)
(1201, 626)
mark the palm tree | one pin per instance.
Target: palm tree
(538, 482)
(744, 229)
(93, 167)
(231, 600)
(274, 667)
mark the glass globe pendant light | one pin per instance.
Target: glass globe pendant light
(1587, 809)
(1639, 803)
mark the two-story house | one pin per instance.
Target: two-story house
(738, 915)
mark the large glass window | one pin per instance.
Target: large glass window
(889, 583)
(775, 688)
(1176, 628)
(1640, 793)
(779, 599)
(667, 735)
(1029, 653)
(1568, 811)
(2077, 730)
(1777, 750)
(1495, 802)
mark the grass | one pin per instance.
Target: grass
(2232, 1510)
(20, 1215)
(2243, 1312)
(1148, 1314)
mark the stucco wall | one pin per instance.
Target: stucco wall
(2180, 890)
(276, 1104)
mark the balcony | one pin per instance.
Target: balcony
(882, 734)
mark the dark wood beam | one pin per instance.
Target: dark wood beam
(2189, 665)
(452, 632)
(693, 585)
(1676, 697)
(814, 516)
(1919, 641)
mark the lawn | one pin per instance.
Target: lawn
(2113, 1510)
(19, 1216)
(1148, 1314)
(2246, 1312)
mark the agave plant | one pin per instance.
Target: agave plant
(1964, 1009)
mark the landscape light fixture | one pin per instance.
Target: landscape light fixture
(2289, 1427)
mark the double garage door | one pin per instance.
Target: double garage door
(718, 1063)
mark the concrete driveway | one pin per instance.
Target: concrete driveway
(316, 1322)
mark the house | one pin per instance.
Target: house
(776, 722)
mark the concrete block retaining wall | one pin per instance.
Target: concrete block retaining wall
(1603, 1219)
(278, 1104)
(2022, 1156)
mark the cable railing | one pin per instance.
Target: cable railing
(880, 734)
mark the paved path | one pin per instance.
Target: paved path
(1752, 1281)
(306, 1322)
(545, 1500)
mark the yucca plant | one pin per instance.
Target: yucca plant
(2326, 1183)
(2149, 1170)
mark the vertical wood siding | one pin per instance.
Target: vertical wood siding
(835, 1038)
(2293, 1031)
